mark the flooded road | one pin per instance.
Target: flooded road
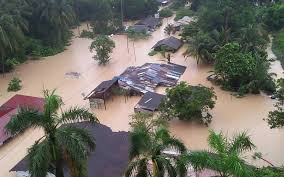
(229, 115)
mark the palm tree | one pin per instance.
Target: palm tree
(148, 141)
(65, 143)
(10, 37)
(58, 15)
(224, 157)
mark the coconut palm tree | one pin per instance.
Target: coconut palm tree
(10, 37)
(56, 15)
(61, 143)
(224, 157)
(146, 151)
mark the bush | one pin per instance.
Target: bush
(187, 102)
(152, 53)
(14, 85)
(165, 12)
(87, 34)
(183, 12)
(176, 5)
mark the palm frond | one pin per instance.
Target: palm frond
(77, 114)
(182, 164)
(25, 118)
(217, 142)
(137, 168)
(77, 143)
(52, 102)
(241, 142)
(199, 159)
(39, 159)
(140, 141)
(175, 144)
(165, 167)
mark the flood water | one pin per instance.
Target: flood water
(230, 114)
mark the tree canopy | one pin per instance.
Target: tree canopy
(188, 103)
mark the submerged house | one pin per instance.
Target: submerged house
(182, 22)
(110, 157)
(150, 22)
(149, 103)
(11, 107)
(139, 29)
(171, 44)
(101, 93)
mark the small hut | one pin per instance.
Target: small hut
(101, 93)
(171, 43)
(151, 23)
(149, 103)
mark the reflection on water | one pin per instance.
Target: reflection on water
(230, 114)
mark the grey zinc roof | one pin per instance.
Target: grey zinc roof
(171, 42)
(150, 101)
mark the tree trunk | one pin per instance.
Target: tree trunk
(3, 66)
(59, 167)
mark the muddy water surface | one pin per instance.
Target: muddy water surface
(230, 114)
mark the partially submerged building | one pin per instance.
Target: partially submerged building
(11, 107)
(139, 29)
(110, 157)
(151, 23)
(101, 93)
(149, 103)
(170, 44)
(182, 22)
(146, 78)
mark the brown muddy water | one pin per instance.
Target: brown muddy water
(230, 114)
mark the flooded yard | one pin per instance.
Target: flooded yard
(230, 114)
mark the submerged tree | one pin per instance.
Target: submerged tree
(188, 103)
(276, 118)
(224, 156)
(148, 141)
(59, 144)
(103, 46)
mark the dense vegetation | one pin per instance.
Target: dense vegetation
(231, 26)
(36, 28)
(60, 143)
(188, 103)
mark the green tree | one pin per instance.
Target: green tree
(65, 143)
(276, 118)
(103, 46)
(188, 103)
(135, 9)
(52, 20)
(225, 156)
(148, 141)
(10, 38)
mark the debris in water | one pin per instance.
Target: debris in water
(72, 74)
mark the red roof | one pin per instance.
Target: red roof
(8, 109)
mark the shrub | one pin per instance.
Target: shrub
(152, 53)
(166, 12)
(87, 34)
(137, 35)
(187, 102)
(14, 85)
